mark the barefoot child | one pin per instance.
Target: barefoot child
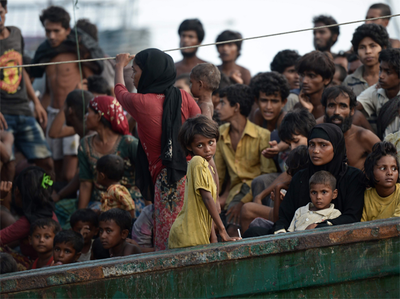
(41, 238)
(322, 192)
(204, 79)
(193, 225)
(67, 247)
(381, 170)
(114, 229)
(86, 223)
(110, 170)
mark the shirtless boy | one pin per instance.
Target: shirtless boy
(191, 33)
(339, 103)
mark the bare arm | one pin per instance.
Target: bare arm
(282, 178)
(40, 112)
(122, 61)
(72, 186)
(57, 129)
(85, 192)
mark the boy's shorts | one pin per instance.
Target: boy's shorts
(28, 136)
(60, 147)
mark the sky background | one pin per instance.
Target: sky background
(249, 17)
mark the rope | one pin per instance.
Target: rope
(210, 44)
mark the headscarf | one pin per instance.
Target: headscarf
(158, 76)
(112, 111)
(332, 133)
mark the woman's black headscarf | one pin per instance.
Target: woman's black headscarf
(337, 166)
(158, 76)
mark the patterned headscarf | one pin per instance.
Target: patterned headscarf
(112, 111)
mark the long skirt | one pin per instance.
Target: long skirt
(168, 202)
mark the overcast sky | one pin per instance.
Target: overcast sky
(249, 17)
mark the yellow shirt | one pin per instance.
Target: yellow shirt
(377, 207)
(247, 162)
(192, 227)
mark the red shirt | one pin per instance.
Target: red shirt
(19, 230)
(147, 110)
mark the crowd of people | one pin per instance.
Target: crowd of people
(111, 159)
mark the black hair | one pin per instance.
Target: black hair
(323, 177)
(112, 166)
(283, 60)
(208, 73)
(88, 27)
(3, 3)
(392, 57)
(56, 14)
(327, 20)
(195, 25)
(384, 8)
(379, 150)
(296, 122)
(201, 125)
(376, 32)
(34, 196)
(98, 84)
(42, 222)
(270, 83)
(121, 217)
(78, 100)
(185, 77)
(352, 57)
(7, 263)
(297, 160)
(70, 237)
(225, 82)
(333, 92)
(318, 62)
(98, 250)
(230, 35)
(341, 54)
(84, 215)
(239, 93)
(342, 72)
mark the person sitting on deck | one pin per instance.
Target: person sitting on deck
(67, 247)
(239, 151)
(381, 171)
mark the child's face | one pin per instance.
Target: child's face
(65, 253)
(203, 146)
(195, 86)
(297, 140)
(42, 239)
(110, 234)
(322, 195)
(270, 105)
(225, 110)
(386, 172)
(92, 231)
(388, 78)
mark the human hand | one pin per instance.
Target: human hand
(272, 151)
(312, 226)
(305, 101)
(282, 194)
(124, 59)
(5, 188)
(55, 264)
(41, 114)
(236, 76)
(3, 122)
(85, 230)
(55, 196)
(234, 213)
(226, 238)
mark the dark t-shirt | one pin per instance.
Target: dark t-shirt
(13, 97)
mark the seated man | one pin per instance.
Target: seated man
(368, 41)
(284, 63)
(339, 103)
(229, 53)
(239, 151)
(380, 10)
(373, 100)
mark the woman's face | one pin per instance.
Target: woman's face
(137, 73)
(92, 119)
(320, 151)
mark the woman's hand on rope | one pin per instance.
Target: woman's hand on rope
(124, 59)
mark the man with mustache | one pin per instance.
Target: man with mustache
(340, 102)
(325, 38)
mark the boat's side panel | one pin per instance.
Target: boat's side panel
(371, 267)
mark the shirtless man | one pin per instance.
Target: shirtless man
(340, 102)
(60, 80)
(191, 33)
(229, 53)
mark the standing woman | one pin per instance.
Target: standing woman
(159, 109)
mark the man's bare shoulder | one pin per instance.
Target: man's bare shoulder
(395, 43)
(364, 136)
(131, 249)
(320, 120)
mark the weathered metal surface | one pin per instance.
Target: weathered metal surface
(320, 263)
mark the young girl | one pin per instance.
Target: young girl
(32, 200)
(193, 225)
(381, 170)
